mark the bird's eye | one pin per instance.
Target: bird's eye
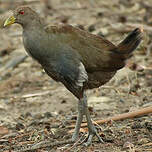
(21, 12)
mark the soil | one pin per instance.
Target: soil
(35, 111)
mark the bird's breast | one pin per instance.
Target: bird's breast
(35, 45)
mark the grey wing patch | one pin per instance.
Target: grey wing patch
(82, 76)
(75, 78)
(68, 69)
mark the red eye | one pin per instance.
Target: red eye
(21, 12)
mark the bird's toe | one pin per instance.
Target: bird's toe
(90, 137)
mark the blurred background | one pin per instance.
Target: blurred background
(32, 103)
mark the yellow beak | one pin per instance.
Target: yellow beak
(9, 21)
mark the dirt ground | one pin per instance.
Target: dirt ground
(35, 111)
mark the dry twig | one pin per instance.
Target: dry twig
(141, 112)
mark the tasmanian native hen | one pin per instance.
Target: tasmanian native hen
(77, 58)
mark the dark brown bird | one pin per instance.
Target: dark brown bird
(78, 59)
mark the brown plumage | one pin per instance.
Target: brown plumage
(100, 57)
(77, 58)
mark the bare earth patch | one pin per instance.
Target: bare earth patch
(36, 112)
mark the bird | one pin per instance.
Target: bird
(78, 59)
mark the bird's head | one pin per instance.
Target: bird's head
(23, 16)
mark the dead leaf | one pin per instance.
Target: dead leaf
(3, 130)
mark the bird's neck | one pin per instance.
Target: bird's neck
(32, 25)
(34, 30)
(32, 37)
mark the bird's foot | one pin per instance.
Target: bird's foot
(93, 133)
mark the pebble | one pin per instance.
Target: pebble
(91, 28)
(48, 115)
(19, 126)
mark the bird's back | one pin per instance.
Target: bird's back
(96, 51)
(100, 57)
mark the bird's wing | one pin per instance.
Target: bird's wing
(68, 69)
(96, 52)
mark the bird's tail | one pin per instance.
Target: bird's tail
(124, 50)
(131, 42)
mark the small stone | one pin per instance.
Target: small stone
(19, 126)
(63, 101)
(91, 28)
(122, 19)
(47, 115)
(100, 14)
(80, 27)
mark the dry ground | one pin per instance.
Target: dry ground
(34, 108)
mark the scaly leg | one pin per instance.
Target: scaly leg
(79, 120)
(83, 110)
(91, 128)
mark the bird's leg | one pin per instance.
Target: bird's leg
(91, 128)
(79, 120)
